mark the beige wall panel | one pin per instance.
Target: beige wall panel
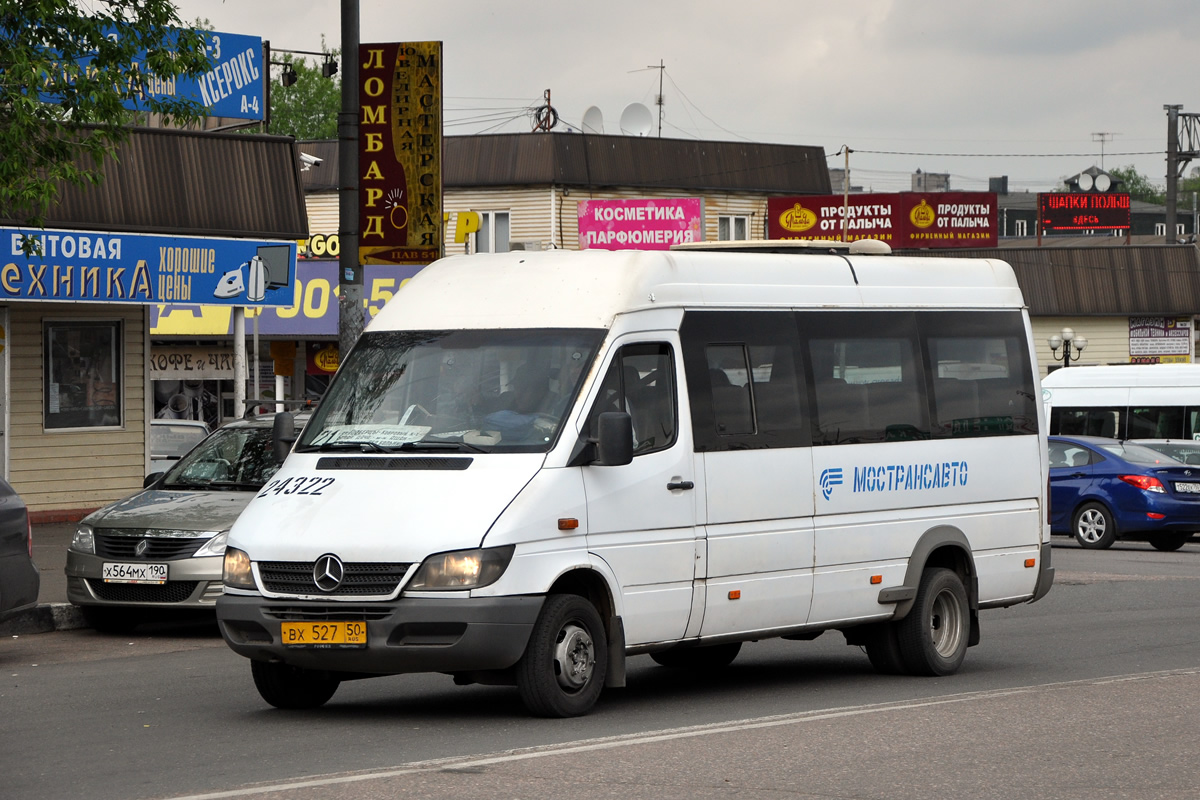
(70, 470)
(1108, 339)
(531, 212)
(322, 213)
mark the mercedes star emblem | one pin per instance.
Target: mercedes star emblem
(328, 572)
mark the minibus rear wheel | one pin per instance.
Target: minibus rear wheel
(566, 660)
(934, 636)
(285, 686)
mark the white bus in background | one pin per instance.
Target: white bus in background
(1138, 401)
(535, 465)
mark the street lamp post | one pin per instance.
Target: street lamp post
(1067, 341)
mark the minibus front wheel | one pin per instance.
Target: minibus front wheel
(285, 686)
(566, 660)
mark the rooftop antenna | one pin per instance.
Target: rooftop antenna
(1102, 137)
(658, 100)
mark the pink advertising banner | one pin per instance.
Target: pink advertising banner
(652, 224)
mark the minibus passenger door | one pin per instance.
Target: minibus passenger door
(642, 515)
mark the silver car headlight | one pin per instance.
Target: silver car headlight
(237, 573)
(84, 539)
(213, 547)
(462, 569)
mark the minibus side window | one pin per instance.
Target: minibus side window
(641, 381)
(1164, 422)
(867, 381)
(744, 378)
(1097, 421)
(981, 381)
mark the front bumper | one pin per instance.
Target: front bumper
(192, 583)
(405, 635)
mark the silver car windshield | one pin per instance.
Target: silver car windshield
(232, 458)
(495, 390)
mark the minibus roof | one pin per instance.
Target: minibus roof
(1120, 375)
(589, 288)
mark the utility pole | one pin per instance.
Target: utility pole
(659, 100)
(1172, 167)
(350, 279)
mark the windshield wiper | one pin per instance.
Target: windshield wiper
(361, 446)
(455, 446)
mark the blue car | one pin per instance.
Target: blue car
(1102, 490)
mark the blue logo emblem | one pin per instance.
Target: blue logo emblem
(829, 479)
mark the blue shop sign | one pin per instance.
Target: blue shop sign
(232, 87)
(91, 267)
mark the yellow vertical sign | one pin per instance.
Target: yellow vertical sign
(400, 153)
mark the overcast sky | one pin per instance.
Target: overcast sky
(1021, 88)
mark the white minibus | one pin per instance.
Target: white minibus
(1135, 401)
(534, 465)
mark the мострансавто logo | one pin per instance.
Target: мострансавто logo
(898, 477)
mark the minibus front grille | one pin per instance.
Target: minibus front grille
(419, 463)
(296, 577)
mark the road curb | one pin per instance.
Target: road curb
(44, 618)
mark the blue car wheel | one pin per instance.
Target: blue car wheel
(1094, 527)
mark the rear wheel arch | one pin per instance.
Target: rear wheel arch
(942, 546)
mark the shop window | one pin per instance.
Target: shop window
(492, 236)
(82, 375)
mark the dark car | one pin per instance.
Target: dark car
(19, 577)
(162, 549)
(1102, 490)
(1185, 450)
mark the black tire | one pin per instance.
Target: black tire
(566, 660)
(284, 686)
(1169, 541)
(702, 659)
(110, 620)
(933, 637)
(883, 648)
(1094, 527)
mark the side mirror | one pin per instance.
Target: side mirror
(283, 434)
(614, 439)
(152, 478)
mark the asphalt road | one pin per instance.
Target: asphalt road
(1092, 693)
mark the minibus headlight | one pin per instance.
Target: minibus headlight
(463, 569)
(213, 547)
(237, 573)
(84, 540)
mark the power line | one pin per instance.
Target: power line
(1002, 155)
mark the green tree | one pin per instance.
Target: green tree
(1138, 185)
(44, 45)
(308, 109)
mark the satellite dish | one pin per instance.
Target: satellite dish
(1103, 182)
(593, 120)
(636, 120)
(1085, 182)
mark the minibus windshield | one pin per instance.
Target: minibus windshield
(467, 390)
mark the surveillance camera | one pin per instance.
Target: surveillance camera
(310, 161)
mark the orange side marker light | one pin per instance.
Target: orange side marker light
(876, 579)
(568, 524)
(736, 594)
(1030, 562)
